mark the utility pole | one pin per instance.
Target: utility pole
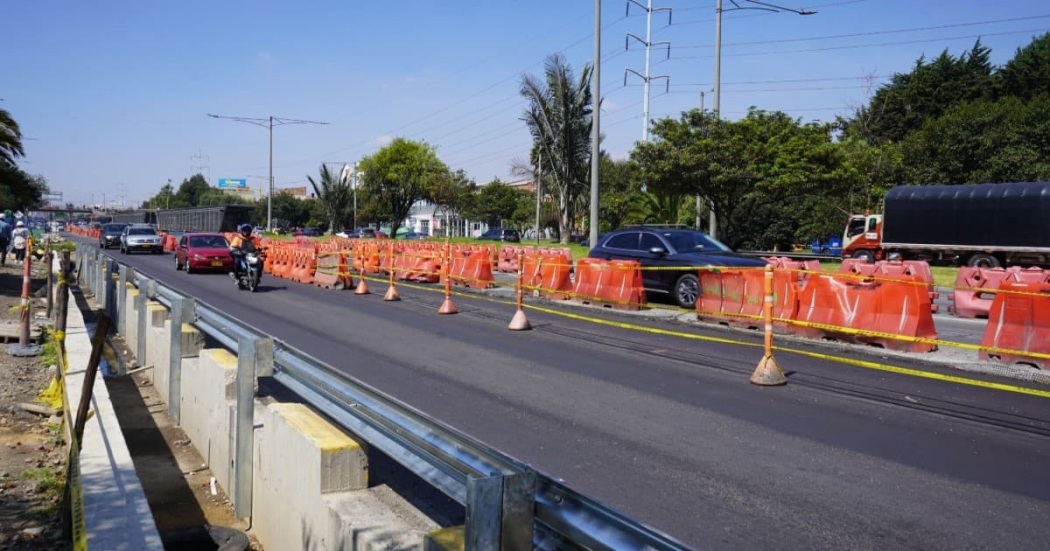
(763, 6)
(646, 78)
(269, 123)
(596, 112)
(200, 166)
(539, 191)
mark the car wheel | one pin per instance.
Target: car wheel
(687, 291)
(122, 251)
(982, 260)
(189, 267)
(865, 256)
(178, 266)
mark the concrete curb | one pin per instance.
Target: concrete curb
(117, 515)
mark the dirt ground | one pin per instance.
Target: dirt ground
(177, 484)
(32, 451)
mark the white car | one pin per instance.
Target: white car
(140, 238)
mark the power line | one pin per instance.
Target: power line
(878, 45)
(745, 16)
(868, 33)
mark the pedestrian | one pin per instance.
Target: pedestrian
(5, 238)
(19, 240)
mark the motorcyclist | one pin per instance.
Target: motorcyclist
(240, 245)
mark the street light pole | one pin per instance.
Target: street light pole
(759, 5)
(268, 123)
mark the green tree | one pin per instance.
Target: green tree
(190, 191)
(494, 202)
(452, 196)
(559, 119)
(10, 139)
(621, 193)
(926, 92)
(741, 167)
(1002, 141)
(1027, 75)
(214, 197)
(399, 175)
(162, 199)
(667, 208)
(288, 210)
(19, 189)
(335, 198)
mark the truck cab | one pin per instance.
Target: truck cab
(863, 237)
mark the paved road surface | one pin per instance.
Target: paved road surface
(668, 430)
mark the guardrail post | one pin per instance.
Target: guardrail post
(107, 290)
(182, 311)
(146, 292)
(484, 502)
(122, 298)
(519, 505)
(251, 354)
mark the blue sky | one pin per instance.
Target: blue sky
(110, 93)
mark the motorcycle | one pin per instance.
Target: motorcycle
(251, 270)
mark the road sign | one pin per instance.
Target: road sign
(233, 182)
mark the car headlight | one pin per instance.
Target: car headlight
(198, 257)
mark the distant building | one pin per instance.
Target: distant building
(297, 192)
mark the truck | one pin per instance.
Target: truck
(980, 225)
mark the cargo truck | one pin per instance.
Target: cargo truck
(983, 225)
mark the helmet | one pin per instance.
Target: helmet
(245, 228)
(20, 224)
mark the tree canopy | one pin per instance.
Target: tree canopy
(399, 175)
(559, 119)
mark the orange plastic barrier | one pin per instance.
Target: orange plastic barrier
(735, 297)
(975, 287)
(889, 306)
(548, 275)
(613, 284)
(1019, 322)
(477, 270)
(892, 268)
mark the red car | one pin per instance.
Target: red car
(203, 251)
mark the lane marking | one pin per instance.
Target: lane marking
(816, 355)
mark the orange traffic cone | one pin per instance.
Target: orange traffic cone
(391, 294)
(362, 287)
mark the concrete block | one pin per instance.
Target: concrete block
(192, 341)
(299, 458)
(209, 387)
(452, 538)
(376, 518)
(131, 327)
(156, 313)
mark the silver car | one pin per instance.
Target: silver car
(140, 238)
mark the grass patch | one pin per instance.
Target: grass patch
(46, 479)
(47, 510)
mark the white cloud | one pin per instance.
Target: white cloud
(384, 139)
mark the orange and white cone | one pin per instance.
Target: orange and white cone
(391, 294)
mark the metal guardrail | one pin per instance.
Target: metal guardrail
(508, 504)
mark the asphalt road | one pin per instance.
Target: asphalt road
(668, 430)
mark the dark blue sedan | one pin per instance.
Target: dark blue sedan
(668, 248)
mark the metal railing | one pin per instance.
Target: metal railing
(508, 504)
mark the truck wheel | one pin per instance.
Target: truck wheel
(865, 256)
(982, 260)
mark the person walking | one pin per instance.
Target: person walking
(5, 238)
(19, 240)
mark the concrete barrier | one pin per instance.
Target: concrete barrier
(309, 483)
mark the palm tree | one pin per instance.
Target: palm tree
(559, 119)
(663, 209)
(335, 196)
(10, 139)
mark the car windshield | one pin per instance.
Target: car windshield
(693, 242)
(208, 242)
(141, 231)
(113, 228)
